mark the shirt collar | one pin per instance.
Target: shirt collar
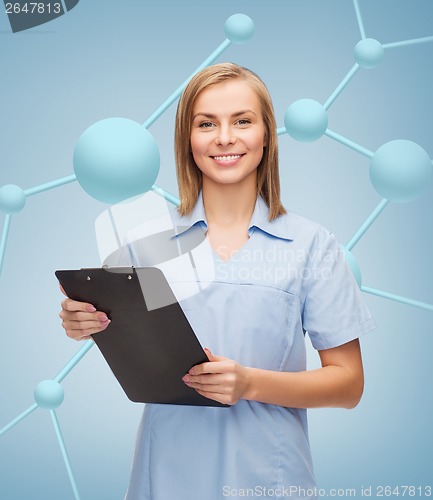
(279, 227)
(197, 214)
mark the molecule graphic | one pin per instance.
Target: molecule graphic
(117, 158)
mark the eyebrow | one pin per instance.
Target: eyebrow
(234, 115)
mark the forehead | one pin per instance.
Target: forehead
(227, 97)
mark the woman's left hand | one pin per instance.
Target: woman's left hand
(220, 379)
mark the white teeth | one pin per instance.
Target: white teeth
(227, 158)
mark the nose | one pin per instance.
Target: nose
(225, 136)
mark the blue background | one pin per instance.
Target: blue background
(123, 58)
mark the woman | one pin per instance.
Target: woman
(277, 276)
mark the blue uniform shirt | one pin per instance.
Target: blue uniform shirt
(289, 278)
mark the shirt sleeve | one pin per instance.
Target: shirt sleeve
(334, 311)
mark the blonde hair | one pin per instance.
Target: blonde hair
(189, 176)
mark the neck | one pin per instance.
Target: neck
(227, 204)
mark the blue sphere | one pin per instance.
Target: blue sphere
(353, 264)
(306, 120)
(116, 159)
(49, 394)
(12, 199)
(239, 28)
(400, 170)
(368, 53)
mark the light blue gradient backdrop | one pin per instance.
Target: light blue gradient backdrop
(123, 58)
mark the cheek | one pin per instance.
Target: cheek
(256, 138)
(258, 143)
(197, 151)
(196, 145)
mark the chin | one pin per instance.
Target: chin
(227, 181)
(229, 177)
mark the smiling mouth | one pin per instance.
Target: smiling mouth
(227, 157)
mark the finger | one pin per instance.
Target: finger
(218, 358)
(83, 316)
(220, 398)
(205, 379)
(214, 389)
(209, 354)
(212, 367)
(84, 325)
(74, 305)
(83, 334)
(212, 356)
(85, 338)
(211, 388)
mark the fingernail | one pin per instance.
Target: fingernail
(103, 317)
(185, 378)
(91, 309)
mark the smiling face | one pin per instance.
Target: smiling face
(227, 133)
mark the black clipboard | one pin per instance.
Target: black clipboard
(148, 348)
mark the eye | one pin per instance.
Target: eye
(206, 124)
(244, 121)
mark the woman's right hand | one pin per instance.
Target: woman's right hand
(81, 319)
